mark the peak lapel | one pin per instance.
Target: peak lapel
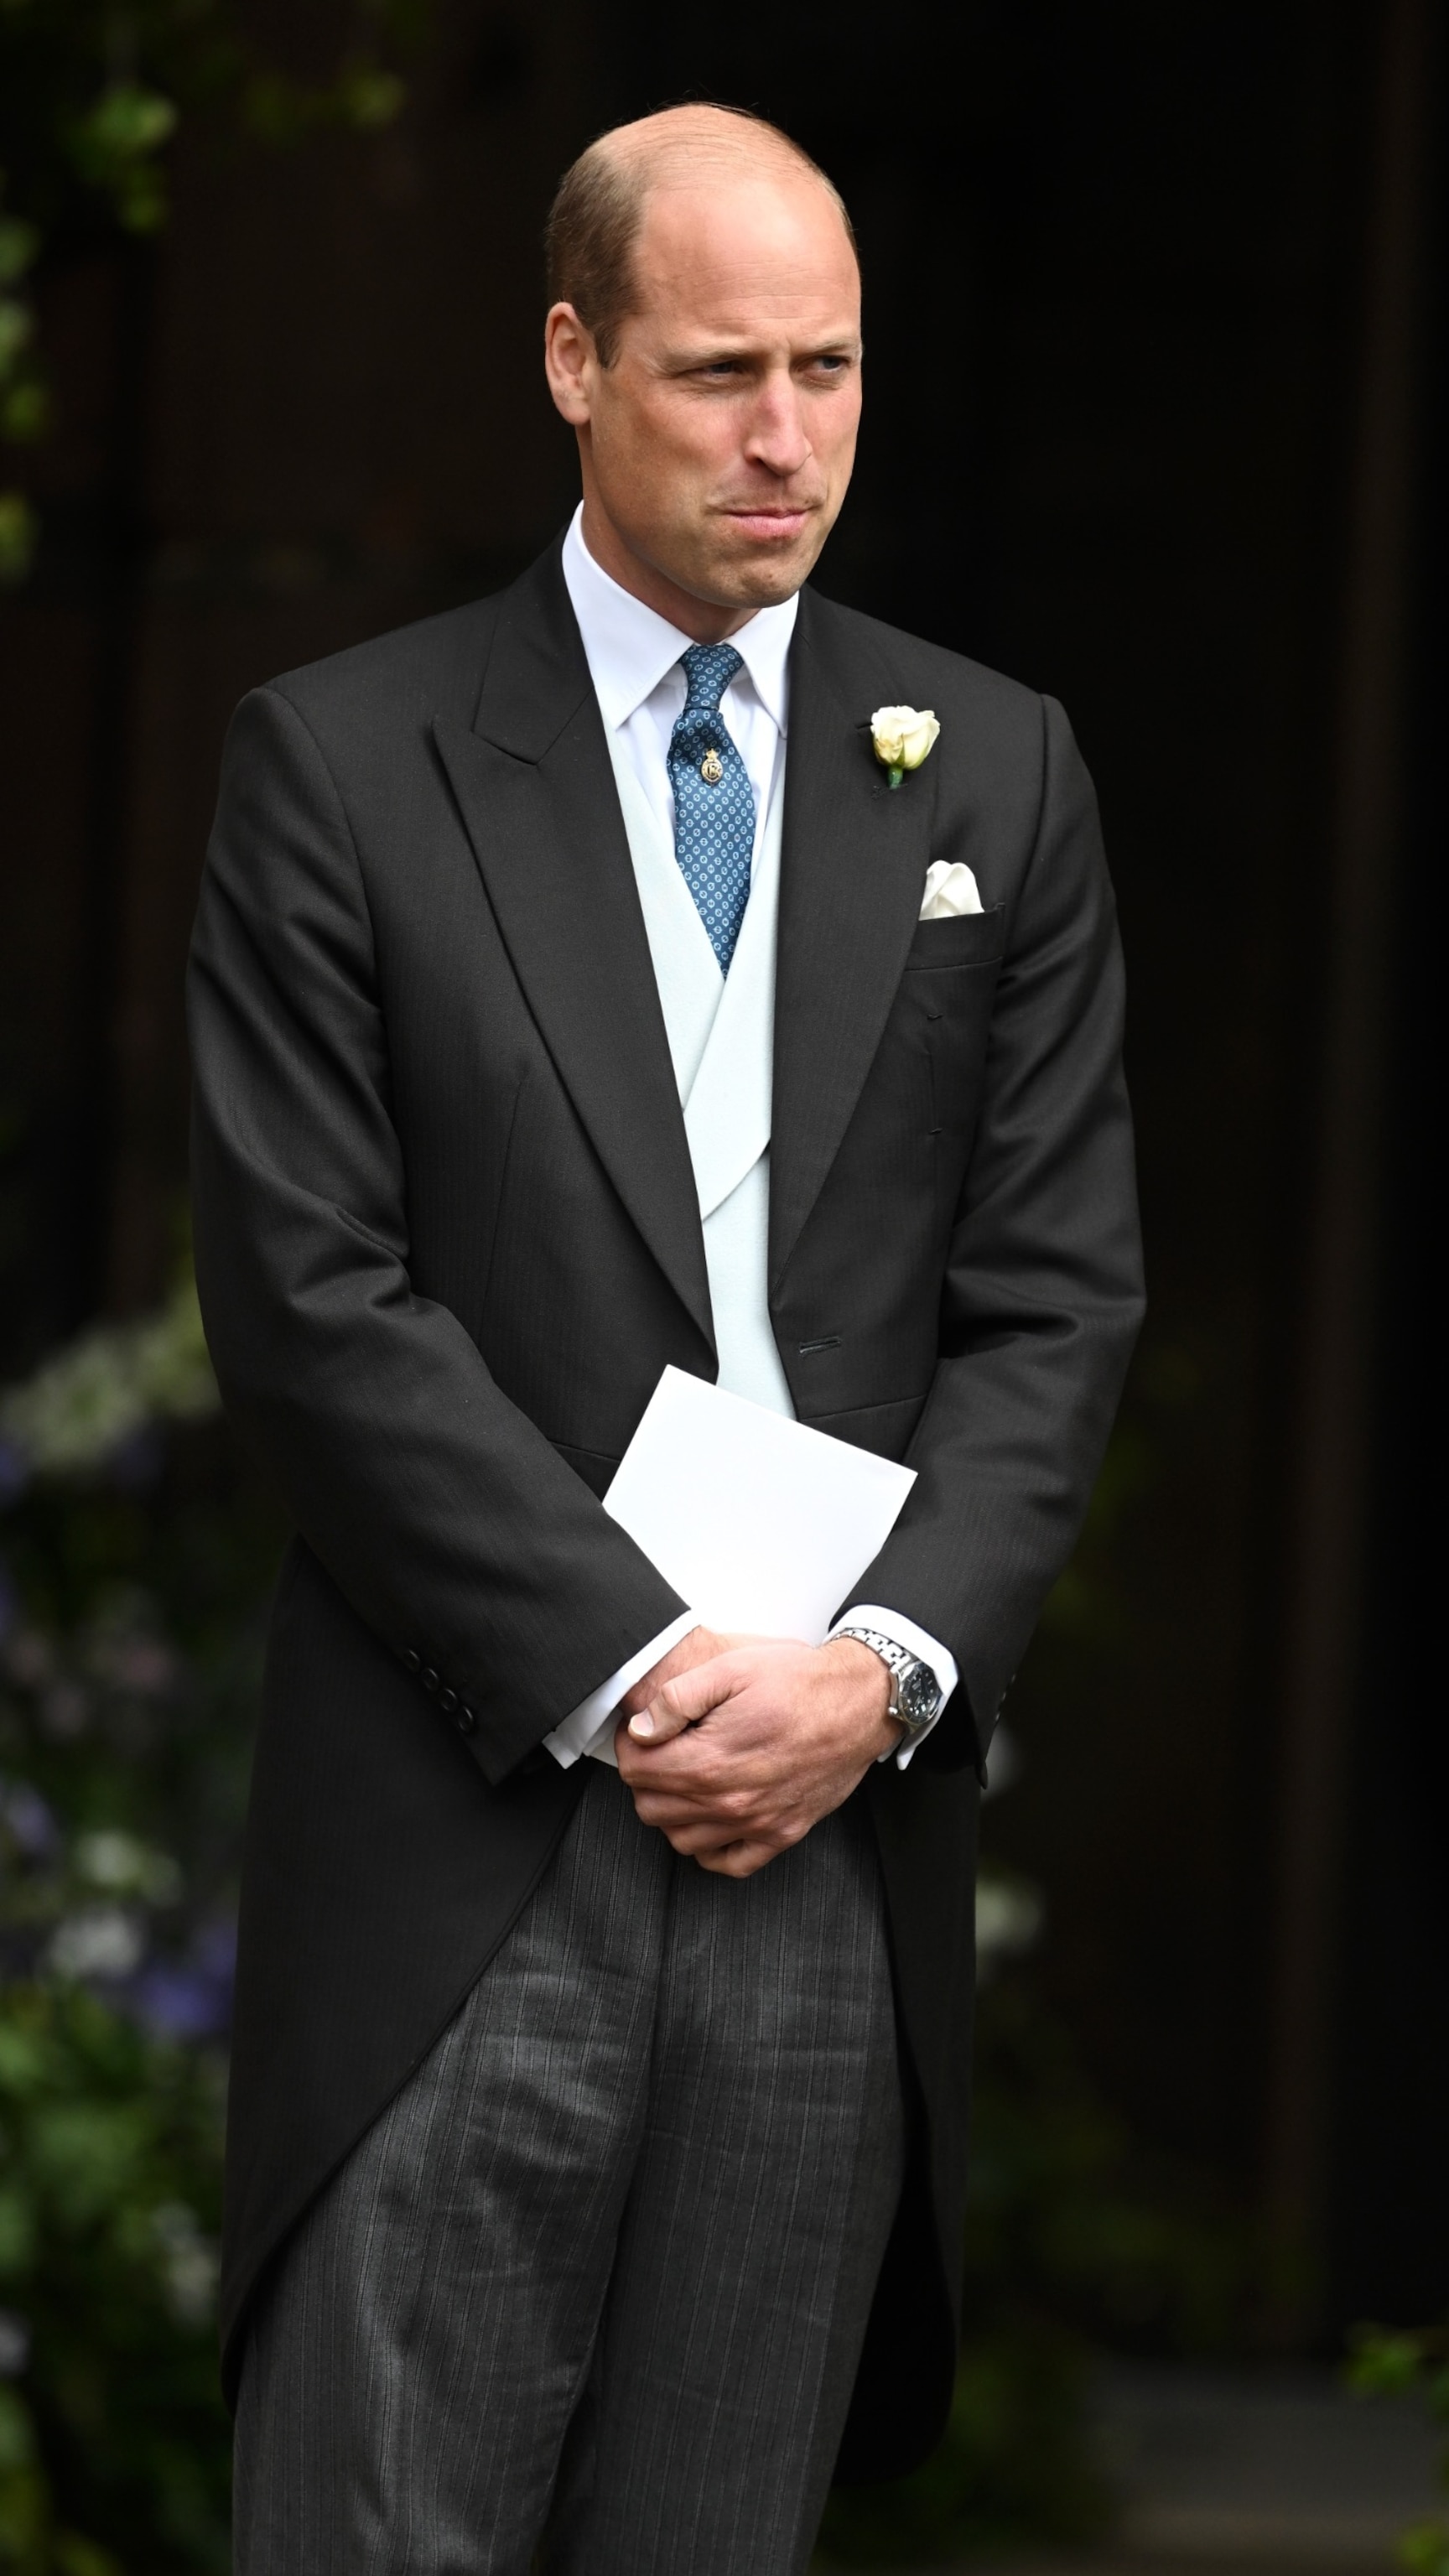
(853, 869)
(537, 794)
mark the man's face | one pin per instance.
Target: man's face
(718, 446)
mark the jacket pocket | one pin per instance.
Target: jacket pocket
(967, 939)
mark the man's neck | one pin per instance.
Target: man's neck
(702, 620)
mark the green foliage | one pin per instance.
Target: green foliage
(1014, 2466)
(1073, 2238)
(135, 1558)
(113, 2439)
(90, 98)
(1385, 2362)
(113, 146)
(111, 1384)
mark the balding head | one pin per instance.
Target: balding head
(598, 212)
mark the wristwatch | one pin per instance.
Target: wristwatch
(915, 1692)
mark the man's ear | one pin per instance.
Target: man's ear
(569, 361)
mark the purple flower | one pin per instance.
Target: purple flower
(28, 1820)
(190, 1998)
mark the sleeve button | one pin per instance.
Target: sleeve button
(466, 1720)
(447, 1702)
(412, 1659)
(430, 1679)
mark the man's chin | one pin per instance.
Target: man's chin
(762, 575)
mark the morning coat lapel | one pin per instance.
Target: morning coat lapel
(537, 793)
(852, 875)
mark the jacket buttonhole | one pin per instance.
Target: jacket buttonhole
(827, 1342)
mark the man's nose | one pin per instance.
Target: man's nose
(777, 438)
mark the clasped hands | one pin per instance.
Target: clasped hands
(735, 1746)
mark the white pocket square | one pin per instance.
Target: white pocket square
(949, 891)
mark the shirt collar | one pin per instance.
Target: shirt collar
(630, 648)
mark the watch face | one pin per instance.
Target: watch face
(919, 1695)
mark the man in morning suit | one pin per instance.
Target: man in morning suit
(576, 993)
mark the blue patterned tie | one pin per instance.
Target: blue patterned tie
(714, 811)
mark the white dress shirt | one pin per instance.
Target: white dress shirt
(634, 659)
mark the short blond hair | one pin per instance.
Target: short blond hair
(595, 218)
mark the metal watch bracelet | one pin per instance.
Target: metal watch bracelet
(899, 1661)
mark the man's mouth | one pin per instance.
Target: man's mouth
(770, 520)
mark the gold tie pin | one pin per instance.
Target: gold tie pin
(711, 768)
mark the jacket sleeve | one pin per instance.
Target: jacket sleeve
(445, 1517)
(1042, 1296)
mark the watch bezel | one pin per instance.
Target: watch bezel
(919, 1694)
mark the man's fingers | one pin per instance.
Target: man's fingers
(726, 1843)
(737, 1860)
(683, 1701)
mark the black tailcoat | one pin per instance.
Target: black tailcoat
(447, 1238)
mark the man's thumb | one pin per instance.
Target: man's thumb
(680, 1703)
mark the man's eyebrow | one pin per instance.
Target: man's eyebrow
(844, 344)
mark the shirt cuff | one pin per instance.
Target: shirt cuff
(589, 1728)
(917, 1641)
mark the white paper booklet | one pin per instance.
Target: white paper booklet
(759, 1523)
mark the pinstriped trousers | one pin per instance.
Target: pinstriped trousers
(589, 2296)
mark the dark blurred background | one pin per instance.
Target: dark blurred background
(1154, 314)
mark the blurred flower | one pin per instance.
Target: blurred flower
(128, 1867)
(14, 2344)
(88, 1406)
(192, 1998)
(180, 2003)
(96, 1941)
(1009, 1918)
(27, 1820)
(190, 2265)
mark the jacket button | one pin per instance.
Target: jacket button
(412, 1659)
(447, 1702)
(466, 1720)
(430, 1679)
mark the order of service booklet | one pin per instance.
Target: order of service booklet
(760, 1524)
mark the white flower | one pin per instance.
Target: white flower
(86, 1402)
(96, 1941)
(127, 1867)
(901, 737)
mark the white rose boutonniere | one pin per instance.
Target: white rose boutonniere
(901, 737)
